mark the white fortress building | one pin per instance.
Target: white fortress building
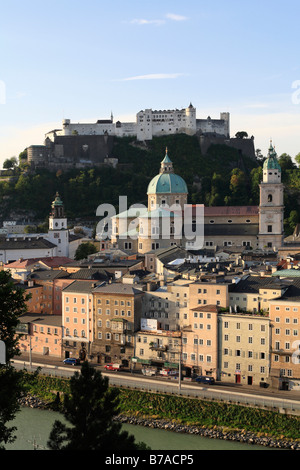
(149, 124)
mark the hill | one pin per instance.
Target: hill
(223, 176)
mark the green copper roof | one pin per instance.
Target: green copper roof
(166, 159)
(271, 163)
(57, 201)
(167, 183)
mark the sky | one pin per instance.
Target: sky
(64, 59)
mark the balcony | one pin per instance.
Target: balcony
(158, 347)
(281, 352)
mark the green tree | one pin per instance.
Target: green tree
(286, 162)
(238, 187)
(90, 408)
(84, 250)
(10, 163)
(291, 222)
(12, 305)
(241, 135)
(297, 159)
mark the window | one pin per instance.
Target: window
(270, 228)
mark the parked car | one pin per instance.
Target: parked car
(148, 371)
(205, 379)
(72, 361)
(168, 372)
(113, 367)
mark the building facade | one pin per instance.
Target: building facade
(244, 348)
(117, 315)
(285, 343)
(77, 319)
(169, 220)
(149, 123)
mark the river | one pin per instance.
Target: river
(34, 426)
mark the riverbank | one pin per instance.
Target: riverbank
(241, 436)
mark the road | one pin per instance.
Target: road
(284, 401)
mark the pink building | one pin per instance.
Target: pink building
(77, 318)
(42, 334)
(200, 341)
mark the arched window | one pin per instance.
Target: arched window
(270, 198)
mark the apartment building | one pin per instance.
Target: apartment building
(253, 292)
(40, 334)
(36, 296)
(200, 341)
(117, 316)
(47, 278)
(244, 348)
(208, 292)
(285, 342)
(168, 304)
(157, 348)
(77, 319)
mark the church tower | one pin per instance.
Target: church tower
(271, 207)
(58, 229)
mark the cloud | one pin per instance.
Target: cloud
(172, 16)
(169, 16)
(154, 76)
(142, 21)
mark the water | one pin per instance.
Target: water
(34, 426)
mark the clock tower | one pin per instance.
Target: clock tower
(58, 230)
(271, 207)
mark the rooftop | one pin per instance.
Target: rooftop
(118, 288)
(51, 320)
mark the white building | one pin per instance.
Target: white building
(149, 123)
(55, 243)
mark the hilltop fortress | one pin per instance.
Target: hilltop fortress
(81, 145)
(150, 124)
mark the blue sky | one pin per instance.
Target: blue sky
(82, 60)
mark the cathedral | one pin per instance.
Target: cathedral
(162, 223)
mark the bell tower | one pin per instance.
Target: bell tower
(58, 228)
(271, 207)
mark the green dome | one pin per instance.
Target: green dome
(167, 183)
(271, 163)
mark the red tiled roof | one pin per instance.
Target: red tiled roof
(231, 210)
(51, 262)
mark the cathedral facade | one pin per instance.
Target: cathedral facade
(162, 224)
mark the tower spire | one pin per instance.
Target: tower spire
(166, 165)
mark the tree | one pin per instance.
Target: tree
(10, 163)
(241, 135)
(90, 408)
(286, 162)
(297, 159)
(12, 305)
(84, 250)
